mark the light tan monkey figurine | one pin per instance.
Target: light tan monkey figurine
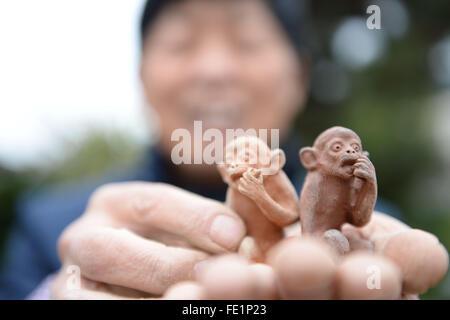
(260, 192)
(340, 187)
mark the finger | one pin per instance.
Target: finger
(265, 278)
(365, 164)
(423, 261)
(121, 258)
(364, 276)
(155, 210)
(362, 166)
(364, 160)
(304, 268)
(187, 290)
(83, 294)
(259, 177)
(244, 182)
(361, 174)
(255, 172)
(247, 174)
(250, 250)
(242, 189)
(251, 176)
(64, 287)
(380, 226)
(231, 278)
(410, 297)
(356, 241)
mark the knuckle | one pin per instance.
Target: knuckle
(66, 239)
(63, 244)
(161, 273)
(103, 194)
(125, 196)
(145, 205)
(92, 253)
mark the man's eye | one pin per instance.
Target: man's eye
(336, 147)
(178, 47)
(356, 147)
(248, 45)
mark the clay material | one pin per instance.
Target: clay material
(340, 187)
(260, 192)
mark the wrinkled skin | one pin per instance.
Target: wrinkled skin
(302, 267)
(130, 243)
(340, 187)
(260, 192)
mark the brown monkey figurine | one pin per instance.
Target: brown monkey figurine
(260, 192)
(340, 187)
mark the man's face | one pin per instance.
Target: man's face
(226, 63)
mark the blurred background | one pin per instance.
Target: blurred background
(71, 104)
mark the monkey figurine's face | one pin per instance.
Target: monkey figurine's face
(239, 160)
(249, 152)
(334, 153)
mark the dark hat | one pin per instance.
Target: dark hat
(292, 15)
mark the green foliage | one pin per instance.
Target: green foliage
(94, 152)
(81, 157)
(11, 185)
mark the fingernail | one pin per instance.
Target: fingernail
(226, 232)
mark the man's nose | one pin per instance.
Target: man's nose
(350, 150)
(214, 65)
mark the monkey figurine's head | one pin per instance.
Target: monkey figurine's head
(249, 152)
(334, 152)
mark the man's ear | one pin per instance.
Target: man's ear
(308, 158)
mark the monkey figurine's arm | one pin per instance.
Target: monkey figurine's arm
(251, 184)
(363, 195)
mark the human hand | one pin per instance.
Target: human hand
(137, 239)
(405, 262)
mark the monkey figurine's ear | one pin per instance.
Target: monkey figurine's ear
(366, 153)
(308, 158)
(278, 159)
(277, 162)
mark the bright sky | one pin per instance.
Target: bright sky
(65, 64)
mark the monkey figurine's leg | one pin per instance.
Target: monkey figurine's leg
(250, 250)
(337, 241)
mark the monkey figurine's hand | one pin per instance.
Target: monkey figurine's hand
(364, 169)
(251, 184)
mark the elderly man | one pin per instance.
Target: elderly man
(229, 64)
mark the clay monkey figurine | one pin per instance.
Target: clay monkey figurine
(340, 187)
(260, 192)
